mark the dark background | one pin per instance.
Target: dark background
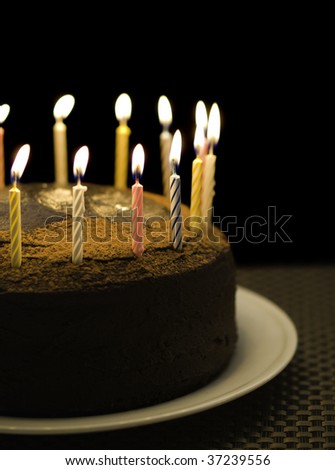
(260, 70)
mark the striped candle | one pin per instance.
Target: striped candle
(196, 188)
(137, 202)
(78, 205)
(15, 225)
(175, 194)
(15, 205)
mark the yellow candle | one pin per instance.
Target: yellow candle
(62, 109)
(208, 192)
(196, 188)
(123, 113)
(4, 110)
(15, 205)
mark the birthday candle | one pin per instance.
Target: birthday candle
(213, 134)
(165, 139)
(196, 188)
(175, 195)
(15, 205)
(4, 110)
(78, 206)
(62, 109)
(137, 201)
(201, 121)
(123, 113)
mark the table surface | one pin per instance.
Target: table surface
(295, 410)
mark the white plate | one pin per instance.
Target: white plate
(267, 342)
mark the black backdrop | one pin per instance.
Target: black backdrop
(271, 164)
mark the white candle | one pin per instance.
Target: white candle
(213, 134)
(137, 201)
(62, 109)
(4, 111)
(122, 133)
(175, 194)
(78, 206)
(17, 169)
(165, 139)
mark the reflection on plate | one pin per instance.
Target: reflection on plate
(267, 342)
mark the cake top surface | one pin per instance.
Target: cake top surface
(46, 214)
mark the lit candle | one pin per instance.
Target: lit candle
(17, 169)
(137, 201)
(123, 113)
(62, 109)
(202, 121)
(4, 111)
(78, 205)
(213, 134)
(165, 139)
(196, 188)
(175, 195)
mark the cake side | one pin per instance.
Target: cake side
(117, 332)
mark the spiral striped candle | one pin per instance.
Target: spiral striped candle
(208, 187)
(17, 169)
(137, 219)
(78, 204)
(175, 212)
(78, 210)
(15, 225)
(196, 190)
(175, 194)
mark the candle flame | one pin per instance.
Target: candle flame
(63, 107)
(123, 107)
(137, 163)
(201, 115)
(175, 148)
(199, 138)
(20, 162)
(4, 111)
(80, 161)
(214, 124)
(164, 111)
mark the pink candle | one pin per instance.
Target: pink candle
(137, 201)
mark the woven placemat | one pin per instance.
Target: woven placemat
(295, 410)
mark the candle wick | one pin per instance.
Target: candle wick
(174, 167)
(78, 178)
(212, 148)
(14, 179)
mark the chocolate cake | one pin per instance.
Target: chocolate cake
(118, 331)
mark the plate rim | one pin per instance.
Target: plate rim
(162, 412)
